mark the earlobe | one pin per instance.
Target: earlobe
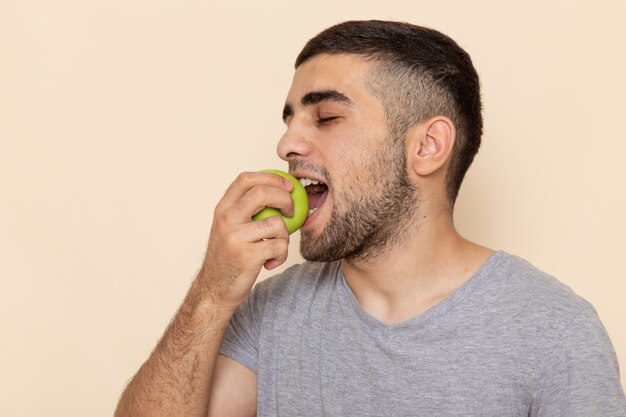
(432, 145)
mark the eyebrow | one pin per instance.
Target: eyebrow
(315, 97)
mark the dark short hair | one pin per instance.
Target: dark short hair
(420, 73)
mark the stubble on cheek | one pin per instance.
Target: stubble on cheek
(367, 218)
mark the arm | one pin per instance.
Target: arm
(183, 375)
(234, 391)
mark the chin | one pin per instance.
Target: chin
(311, 251)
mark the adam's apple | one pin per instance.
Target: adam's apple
(300, 204)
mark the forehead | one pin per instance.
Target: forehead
(341, 72)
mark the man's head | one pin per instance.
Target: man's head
(372, 114)
(419, 73)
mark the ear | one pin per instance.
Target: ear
(430, 145)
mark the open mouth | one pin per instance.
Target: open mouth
(316, 191)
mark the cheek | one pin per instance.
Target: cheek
(354, 143)
(354, 159)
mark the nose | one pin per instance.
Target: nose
(293, 144)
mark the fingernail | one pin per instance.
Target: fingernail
(288, 183)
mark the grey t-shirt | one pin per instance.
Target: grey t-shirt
(512, 341)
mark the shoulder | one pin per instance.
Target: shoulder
(560, 334)
(547, 326)
(530, 306)
(521, 285)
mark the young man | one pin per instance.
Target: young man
(397, 314)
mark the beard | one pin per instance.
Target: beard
(369, 216)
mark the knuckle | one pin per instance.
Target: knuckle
(219, 208)
(244, 178)
(227, 217)
(241, 203)
(278, 246)
(259, 193)
(284, 233)
(270, 224)
(266, 224)
(281, 258)
(277, 222)
(282, 245)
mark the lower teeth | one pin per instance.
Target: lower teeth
(311, 211)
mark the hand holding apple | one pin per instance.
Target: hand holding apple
(300, 204)
(238, 246)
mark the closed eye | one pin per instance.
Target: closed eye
(326, 119)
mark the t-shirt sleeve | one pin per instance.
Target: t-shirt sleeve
(582, 374)
(241, 339)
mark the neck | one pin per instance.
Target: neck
(429, 263)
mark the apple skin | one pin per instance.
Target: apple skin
(300, 204)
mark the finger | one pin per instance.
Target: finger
(233, 233)
(244, 245)
(259, 197)
(247, 180)
(274, 251)
(282, 256)
(271, 228)
(273, 263)
(276, 262)
(254, 232)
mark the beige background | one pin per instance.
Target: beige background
(122, 123)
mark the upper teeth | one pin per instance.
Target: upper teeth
(308, 181)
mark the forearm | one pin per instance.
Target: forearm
(175, 380)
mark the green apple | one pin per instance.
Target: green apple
(300, 204)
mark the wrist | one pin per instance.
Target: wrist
(221, 291)
(205, 311)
